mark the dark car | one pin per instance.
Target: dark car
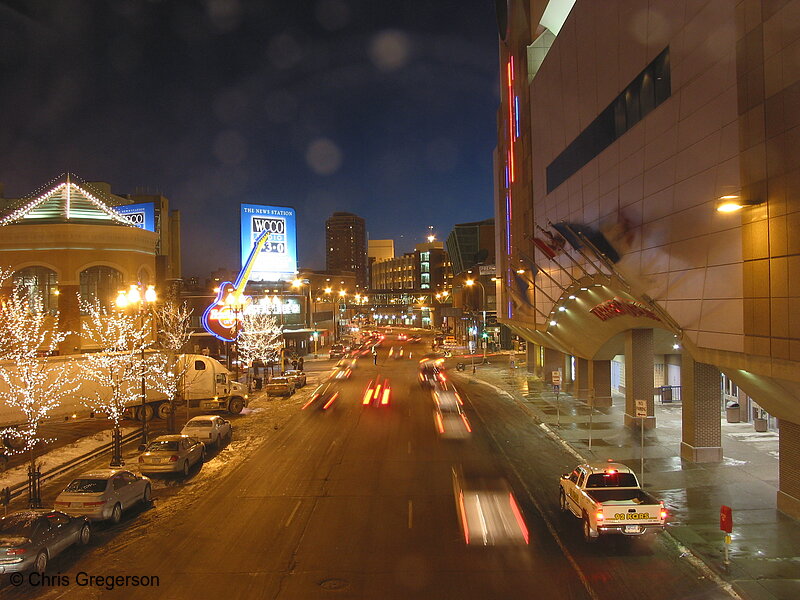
(323, 397)
(30, 538)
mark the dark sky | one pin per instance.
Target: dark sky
(385, 108)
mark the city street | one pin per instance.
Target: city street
(357, 502)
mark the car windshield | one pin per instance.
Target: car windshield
(615, 479)
(162, 445)
(87, 486)
(203, 423)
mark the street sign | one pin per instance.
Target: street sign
(556, 388)
(726, 519)
(641, 408)
(555, 377)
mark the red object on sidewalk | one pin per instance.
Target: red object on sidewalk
(726, 519)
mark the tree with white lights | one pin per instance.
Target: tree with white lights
(117, 368)
(260, 337)
(30, 385)
(173, 323)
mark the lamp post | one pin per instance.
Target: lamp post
(470, 283)
(142, 299)
(236, 302)
(342, 294)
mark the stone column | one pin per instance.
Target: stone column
(553, 361)
(600, 381)
(581, 387)
(639, 375)
(701, 412)
(69, 318)
(789, 469)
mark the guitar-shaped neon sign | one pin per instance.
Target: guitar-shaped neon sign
(222, 317)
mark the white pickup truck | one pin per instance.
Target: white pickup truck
(608, 499)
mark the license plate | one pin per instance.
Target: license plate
(155, 461)
(632, 529)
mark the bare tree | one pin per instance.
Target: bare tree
(116, 370)
(260, 338)
(173, 323)
(31, 386)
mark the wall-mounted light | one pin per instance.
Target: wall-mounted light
(733, 202)
(572, 297)
(561, 309)
(553, 323)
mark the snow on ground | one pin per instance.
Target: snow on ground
(59, 456)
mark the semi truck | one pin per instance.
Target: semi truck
(206, 384)
(608, 500)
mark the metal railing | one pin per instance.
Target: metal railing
(22, 487)
(668, 393)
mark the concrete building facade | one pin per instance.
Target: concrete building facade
(346, 246)
(648, 205)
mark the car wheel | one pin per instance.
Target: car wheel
(147, 496)
(85, 535)
(562, 501)
(587, 531)
(164, 410)
(185, 470)
(40, 564)
(202, 458)
(116, 514)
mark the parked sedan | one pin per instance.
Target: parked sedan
(29, 538)
(297, 377)
(171, 454)
(280, 386)
(209, 429)
(103, 494)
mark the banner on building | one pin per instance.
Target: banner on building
(141, 215)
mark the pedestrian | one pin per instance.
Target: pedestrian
(294, 364)
(374, 356)
(300, 363)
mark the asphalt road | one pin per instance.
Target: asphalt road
(357, 502)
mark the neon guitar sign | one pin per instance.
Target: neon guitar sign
(222, 317)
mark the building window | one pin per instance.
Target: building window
(425, 277)
(650, 88)
(425, 267)
(100, 283)
(39, 288)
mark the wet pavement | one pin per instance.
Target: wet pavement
(765, 549)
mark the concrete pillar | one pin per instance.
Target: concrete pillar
(600, 381)
(553, 361)
(789, 468)
(581, 388)
(701, 412)
(69, 318)
(532, 358)
(639, 375)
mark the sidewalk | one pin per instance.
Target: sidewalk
(765, 548)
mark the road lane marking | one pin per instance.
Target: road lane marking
(410, 514)
(291, 516)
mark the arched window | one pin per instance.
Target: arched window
(101, 283)
(39, 284)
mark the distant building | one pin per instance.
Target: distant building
(346, 246)
(378, 250)
(427, 268)
(471, 244)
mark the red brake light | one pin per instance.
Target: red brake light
(518, 515)
(663, 514)
(385, 399)
(329, 402)
(173, 458)
(611, 471)
(313, 397)
(88, 504)
(15, 551)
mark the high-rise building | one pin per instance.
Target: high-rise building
(346, 245)
(378, 250)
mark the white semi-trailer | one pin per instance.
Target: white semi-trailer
(206, 384)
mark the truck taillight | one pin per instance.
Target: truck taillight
(663, 513)
(600, 515)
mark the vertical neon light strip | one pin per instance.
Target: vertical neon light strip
(512, 134)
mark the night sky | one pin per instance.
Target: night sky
(385, 108)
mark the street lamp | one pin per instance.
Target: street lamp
(470, 283)
(141, 299)
(237, 303)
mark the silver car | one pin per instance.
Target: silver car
(209, 429)
(297, 377)
(29, 538)
(102, 495)
(171, 454)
